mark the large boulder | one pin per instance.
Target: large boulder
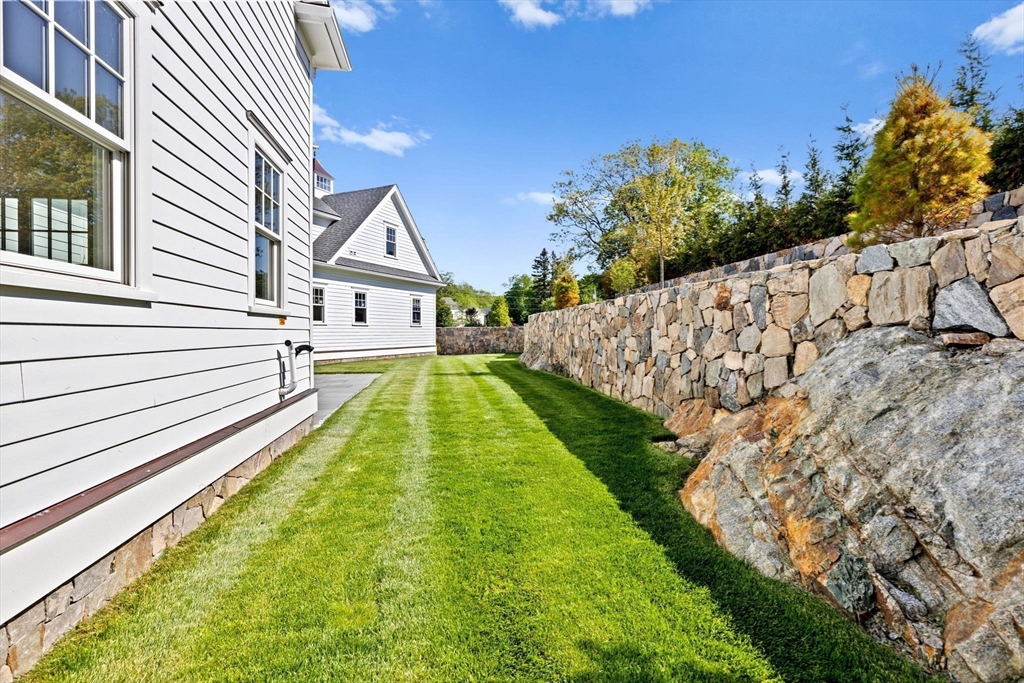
(891, 482)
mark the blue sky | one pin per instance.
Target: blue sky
(474, 106)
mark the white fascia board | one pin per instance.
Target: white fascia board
(322, 36)
(373, 273)
(421, 244)
(327, 216)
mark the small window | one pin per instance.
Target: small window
(267, 215)
(318, 305)
(417, 312)
(323, 183)
(392, 246)
(360, 317)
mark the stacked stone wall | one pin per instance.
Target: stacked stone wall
(997, 207)
(24, 639)
(461, 341)
(734, 340)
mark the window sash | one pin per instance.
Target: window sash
(360, 310)
(88, 123)
(319, 305)
(114, 198)
(391, 246)
(417, 312)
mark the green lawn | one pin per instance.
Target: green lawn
(465, 519)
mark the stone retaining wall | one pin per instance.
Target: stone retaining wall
(25, 639)
(460, 341)
(733, 340)
(1000, 206)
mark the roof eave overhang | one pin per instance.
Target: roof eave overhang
(322, 37)
(374, 273)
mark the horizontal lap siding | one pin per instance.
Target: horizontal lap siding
(368, 242)
(389, 311)
(93, 388)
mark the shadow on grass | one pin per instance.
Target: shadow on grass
(804, 638)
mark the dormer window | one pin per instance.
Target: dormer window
(324, 183)
(391, 247)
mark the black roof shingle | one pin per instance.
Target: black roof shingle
(352, 209)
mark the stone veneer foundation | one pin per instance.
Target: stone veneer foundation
(24, 639)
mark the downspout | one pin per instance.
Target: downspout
(293, 351)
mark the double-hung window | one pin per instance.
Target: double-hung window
(360, 308)
(319, 306)
(267, 221)
(391, 243)
(65, 130)
(417, 311)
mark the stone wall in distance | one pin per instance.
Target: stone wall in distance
(461, 341)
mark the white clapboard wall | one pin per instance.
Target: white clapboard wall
(96, 386)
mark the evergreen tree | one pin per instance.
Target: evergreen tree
(444, 315)
(566, 290)
(1007, 153)
(498, 315)
(970, 93)
(925, 170)
(542, 267)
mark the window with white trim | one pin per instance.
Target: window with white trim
(324, 183)
(319, 305)
(360, 308)
(391, 243)
(64, 126)
(417, 311)
(267, 220)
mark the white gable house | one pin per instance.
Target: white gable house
(374, 282)
(155, 267)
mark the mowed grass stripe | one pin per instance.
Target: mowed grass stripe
(149, 631)
(548, 579)
(312, 604)
(804, 638)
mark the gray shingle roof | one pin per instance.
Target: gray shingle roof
(320, 206)
(353, 208)
(383, 270)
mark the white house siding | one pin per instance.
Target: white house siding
(93, 387)
(389, 329)
(368, 242)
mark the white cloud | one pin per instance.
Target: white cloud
(869, 127)
(542, 198)
(871, 69)
(530, 14)
(772, 177)
(379, 138)
(617, 8)
(360, 16)
(1004, 32)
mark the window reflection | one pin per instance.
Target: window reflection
(72, 78)
(53, 187)
(25, 43)
(108, 36)
(263, 248)
(108, 100)
(73, 15)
